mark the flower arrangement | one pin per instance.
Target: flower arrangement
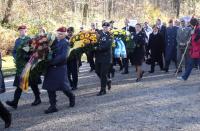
(40, 52)
(87, 38)
(121, 37)
(83, 42)
(122, 34)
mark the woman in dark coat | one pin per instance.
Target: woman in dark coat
(156, 48)
(56, 77)
(139, 51)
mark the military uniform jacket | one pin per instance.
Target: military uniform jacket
(103, 51)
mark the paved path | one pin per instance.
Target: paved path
(158, 103)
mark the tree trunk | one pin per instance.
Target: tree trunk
(110, 8)
(7, 12)
(73, 6)
(85, 14)
(178, 8)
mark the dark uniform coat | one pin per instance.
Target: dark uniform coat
(56, 77)
(104, 49)
(139, 51)
(171, 43)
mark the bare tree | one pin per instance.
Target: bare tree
(7, 12)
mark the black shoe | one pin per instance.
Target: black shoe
(51, 109)
(11, 104)
(72, 101)
(166, 70)
(178, 71)
(101, 93)
(36, 102)
(162, 69)
(109, 84)
(138, 79)
(91, 70)
(74, 88)
(8, 121)
(151, 71)
(121, 68)
(125, 72)
(2, 90)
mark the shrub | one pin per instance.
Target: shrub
(7, 39)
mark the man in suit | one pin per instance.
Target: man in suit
(125, 61)
(56, 77)
(103, 53)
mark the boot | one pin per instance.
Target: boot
(109, 84)
(12, 104)
(74, 88)
(51, 109)
(151, 71)
(71, 97)
(152, 68)
(36, 102)
(2, 90)
(72, 100)
(6, 116)
(17, 96)
(36, 93)
(102, 92)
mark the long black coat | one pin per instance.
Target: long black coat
(156, 46)
(171, 43)
(56, 77)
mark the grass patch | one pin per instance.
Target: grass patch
(8, 66)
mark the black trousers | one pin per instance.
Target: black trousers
(2, 83)
(4, 113)
(72, 68)
(90, 58)
(52, 96)
(18, 93)
(118, 61)
(167, 63)
(126, 61)
(160, 63)
(102, 71)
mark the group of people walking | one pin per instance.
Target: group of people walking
(159, 44)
